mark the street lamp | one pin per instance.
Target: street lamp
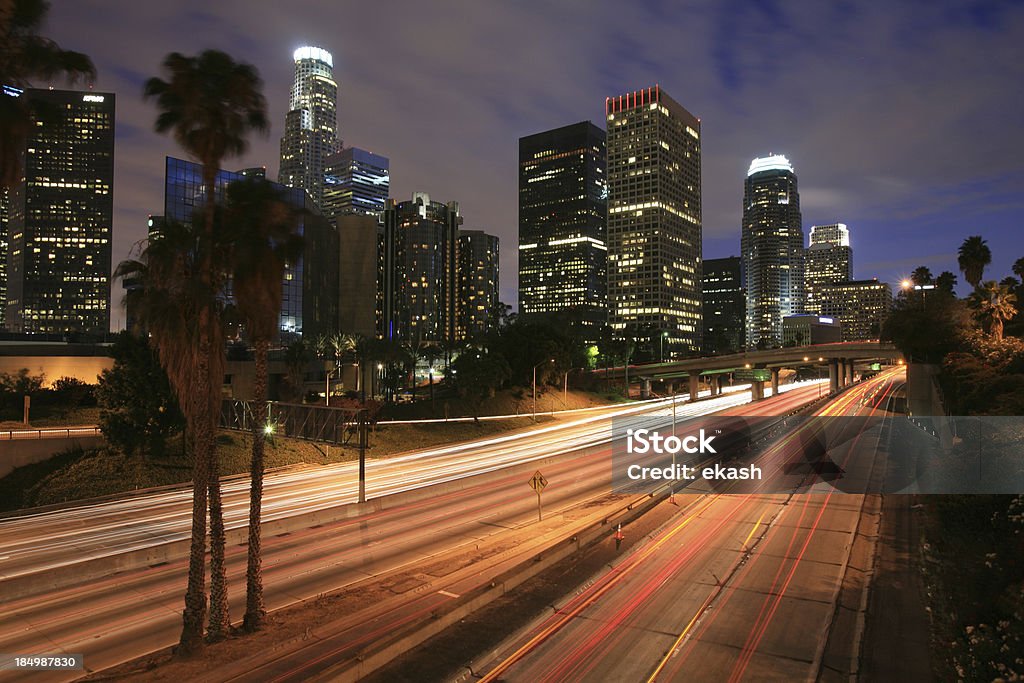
(565, 386)
(661, 352)
(550, 360)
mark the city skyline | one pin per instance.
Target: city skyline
(872, 151)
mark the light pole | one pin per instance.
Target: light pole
(661, 340)
(550, 360)
(565, 385)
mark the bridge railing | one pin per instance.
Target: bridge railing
(295, 420)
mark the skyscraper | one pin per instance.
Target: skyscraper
(59, 220)
(723, 305)
(309, 302)
(478, 282)
(654, 217)
(860, 306)
(773, 249)
(828, 259)
(355, 181)
(420, 270)
(3, 255)
(562, 227)
(311, 124)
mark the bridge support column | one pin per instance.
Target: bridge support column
(716, 385)
(849, 372)
(645, 388)
(694, 385)
(756, 390)
(775, 381)
(833, 376)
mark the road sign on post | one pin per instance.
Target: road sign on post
(537, 483)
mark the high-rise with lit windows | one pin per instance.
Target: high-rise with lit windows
(562, 228)
(828, 259)
(420, 283)
(3, 255)
(724, 305)
(59, 220)
(311, 124)
(861, 307)
(478, 282)
(773, 249)
(654, 218)
(355, 182)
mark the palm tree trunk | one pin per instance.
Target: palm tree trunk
(255, 609)
(220, 621)
(201, 434)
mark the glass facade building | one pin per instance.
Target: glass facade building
(355, 182)
(311, 124)
(723, 305)
(828, 259)
(772, 243)
(309, 304)
(59, 217)
(654, 218)
(562, 227)
(419, 272)
(478, 282)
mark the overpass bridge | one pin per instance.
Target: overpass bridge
(840, 358)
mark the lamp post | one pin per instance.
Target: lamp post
(565, 385)
(550, 360)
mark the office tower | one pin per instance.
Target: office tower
(309, 303)
(355, 181)
(723, 305)
(804, 329)
(861, 307)
(773, 249)
(311, 124)
(358, 274)
(420, 278)
(478, 282)
(828, 259)
(59, 220)
(654, 217)
(3, 255)
(562, 228)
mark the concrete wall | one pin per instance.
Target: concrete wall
(20, 452)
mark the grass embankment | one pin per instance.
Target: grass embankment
(78, 474)
(41, 418)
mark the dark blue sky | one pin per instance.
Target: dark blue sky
(902, 119)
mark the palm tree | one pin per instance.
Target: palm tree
(1018, 268)
(922, 275)
(946, 281)
(24, 57)
(261, 229)
(973, 256)
(994, 305)
(210, 103)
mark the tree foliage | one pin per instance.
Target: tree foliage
(138, 410)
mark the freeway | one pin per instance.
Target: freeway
(112, 528)
(737, 586)
(119, 617)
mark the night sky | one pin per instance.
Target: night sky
(902, 119)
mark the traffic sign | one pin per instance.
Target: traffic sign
(538, 482)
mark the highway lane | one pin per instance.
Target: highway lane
(114, 527)
(123, 616)
(739, 586)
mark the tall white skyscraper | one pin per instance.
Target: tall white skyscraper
(311, 125)
(773, 249)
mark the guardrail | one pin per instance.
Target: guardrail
(49, 433)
